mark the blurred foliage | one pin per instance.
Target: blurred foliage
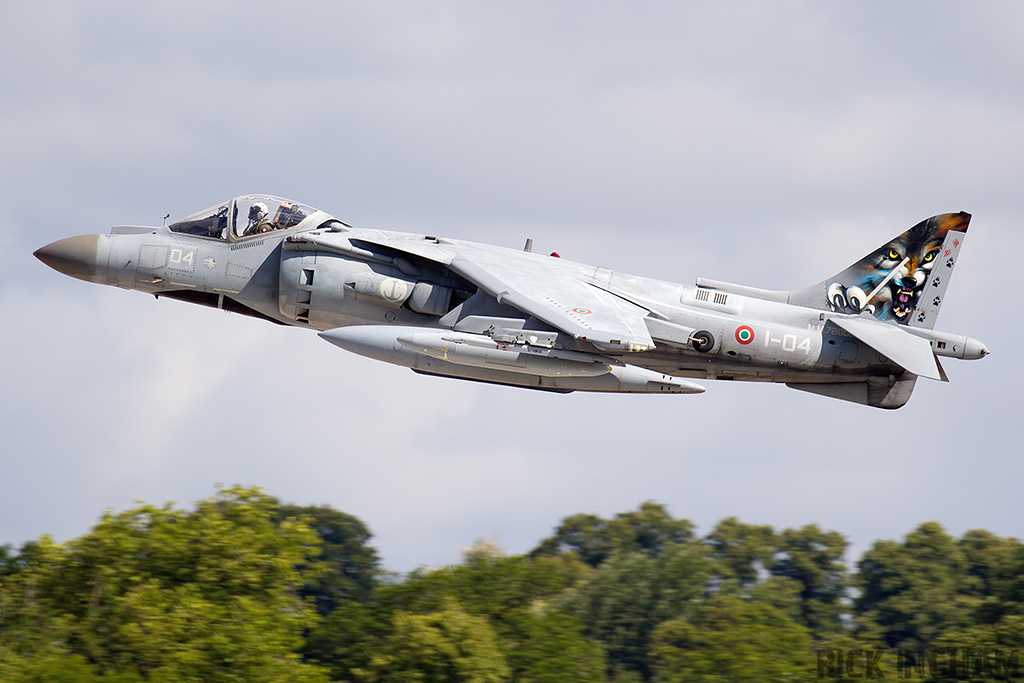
(727, 638)
(743, 551)
(912, 591)
(202, 595)
(244, 588)
(513, 594)
(625, 599)
(347, 564)
(594, 540)
(446, 645)
(814, 559)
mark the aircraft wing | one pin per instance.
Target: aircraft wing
(903, 348)
(549, 289)
(562, 301)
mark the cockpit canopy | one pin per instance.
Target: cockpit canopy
(251, 214)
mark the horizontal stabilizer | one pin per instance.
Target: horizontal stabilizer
(907, 350)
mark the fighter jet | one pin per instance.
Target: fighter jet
(472, 311)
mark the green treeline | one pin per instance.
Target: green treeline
(243, 588)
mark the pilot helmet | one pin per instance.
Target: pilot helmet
(258, 212)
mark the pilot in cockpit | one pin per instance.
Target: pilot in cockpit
(258, 219)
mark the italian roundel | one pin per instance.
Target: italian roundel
(744, 334)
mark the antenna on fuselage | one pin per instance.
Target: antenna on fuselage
(165, 219)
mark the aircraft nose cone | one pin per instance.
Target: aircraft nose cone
(74, 256)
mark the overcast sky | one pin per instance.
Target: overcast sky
(770, 144)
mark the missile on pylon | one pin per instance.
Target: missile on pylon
(481, 351)
(477, 357)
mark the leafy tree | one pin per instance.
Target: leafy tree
(448, 646)
(990, 646)
(12, 563)
(1008, 588)
(53, 666)
(347, 640)
(993, 566)
(226, 592)
(648, 529)
(741, 550)
(482, 551)
(552, 649)
(347, 566)
(204, 595)
(8, 560)
(585, 535)
(513, 594)
(626, 598)
(729, 639)
(845, 656)
(781, 593)
(912, 591)
(814, 559)
(32, 640)
(490, 588)
(982, 652)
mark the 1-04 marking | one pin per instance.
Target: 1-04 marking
(788, 342)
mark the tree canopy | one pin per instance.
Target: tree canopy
(241, 587)
(208, 595)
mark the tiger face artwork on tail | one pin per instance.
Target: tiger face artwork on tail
(888, 282)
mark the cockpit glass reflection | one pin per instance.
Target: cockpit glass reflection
(244, 217)
(212, 222)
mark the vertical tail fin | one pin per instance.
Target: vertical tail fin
(903, 281)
